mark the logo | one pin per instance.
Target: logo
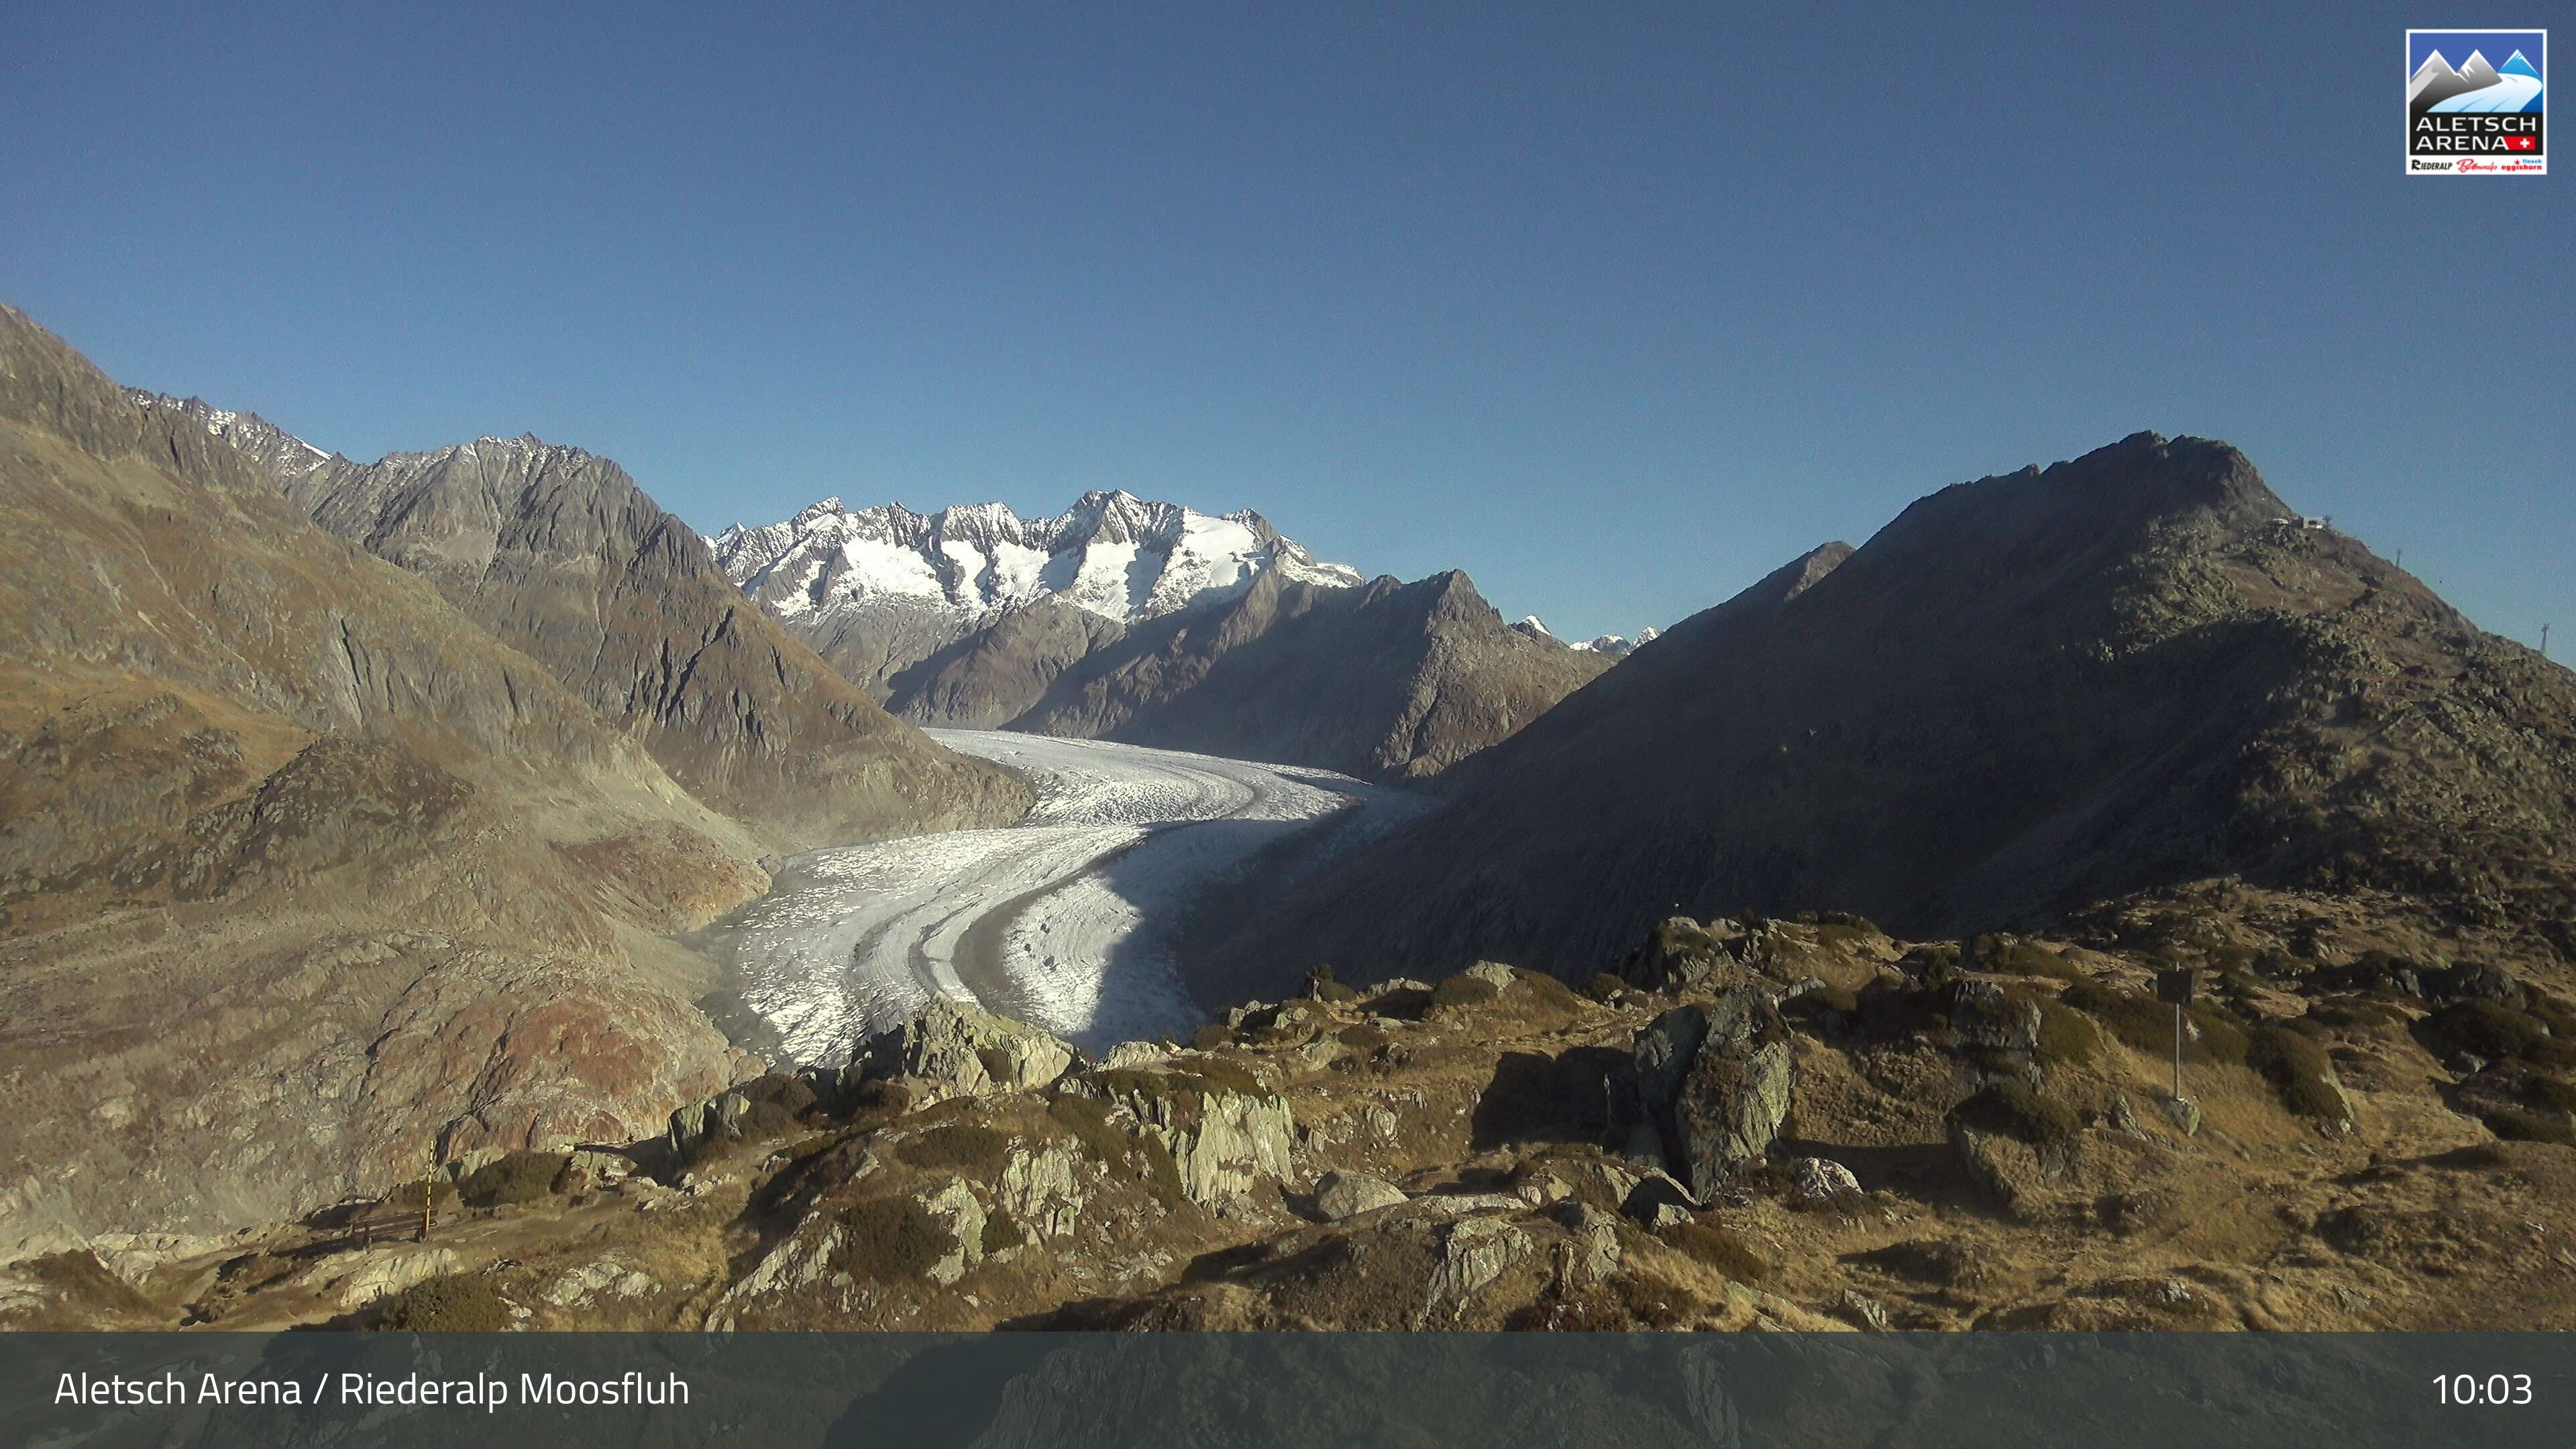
(2473, 102)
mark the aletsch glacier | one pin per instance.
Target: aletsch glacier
(1064, 921)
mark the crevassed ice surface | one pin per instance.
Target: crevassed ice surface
(1063, 921)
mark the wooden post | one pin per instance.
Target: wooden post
(428, 1192)
(2177, 1058)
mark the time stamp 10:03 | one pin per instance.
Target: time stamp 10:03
(2483, 1389)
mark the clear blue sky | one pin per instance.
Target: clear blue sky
(1614, 308)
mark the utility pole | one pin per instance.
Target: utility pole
(429, 1188)
(2544, 641)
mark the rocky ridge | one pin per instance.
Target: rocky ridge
(560, 555)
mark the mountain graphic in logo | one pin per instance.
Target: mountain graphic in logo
(2477, 86)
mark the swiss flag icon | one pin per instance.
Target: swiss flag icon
(2522, 143)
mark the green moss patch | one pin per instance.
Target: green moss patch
(2144, 1024)
(2498, 1033)
(2013, 1110)
(1723, 1249)
(1462, 991)
(1088, 1119)
(2514, 1124)
(1003, 1231)
(519, 1177)
(448, 1303)
(2299, 1069)
(955, 1145)
(890, 1238)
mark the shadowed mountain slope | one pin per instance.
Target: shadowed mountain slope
(1386, 680)
(2025, 693)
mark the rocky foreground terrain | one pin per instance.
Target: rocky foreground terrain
(1800, 1124)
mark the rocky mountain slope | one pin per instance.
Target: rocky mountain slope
(877, 590)
(1154, 625)
(1754, 1124)
(561, 556)
(2026, 693)
(303, 873)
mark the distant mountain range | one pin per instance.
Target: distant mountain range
(1616, 646)
(1154, 624)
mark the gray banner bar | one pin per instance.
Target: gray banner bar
(1421, 1391)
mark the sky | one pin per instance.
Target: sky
(2457, 46)
(1616, 308)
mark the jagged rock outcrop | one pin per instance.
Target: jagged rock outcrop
(1225, 1138)
(958, 1049)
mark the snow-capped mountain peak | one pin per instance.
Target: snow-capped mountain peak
(1614, 645)
(1112, 553)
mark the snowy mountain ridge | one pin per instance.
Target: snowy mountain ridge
(1616, 646)
(1111, 554)
(282, 453)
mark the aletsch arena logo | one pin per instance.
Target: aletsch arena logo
(2473, 102)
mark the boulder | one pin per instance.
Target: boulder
(1822, 1180)
(956, 1049)
(1664, 1050)
(2014, 1173)
(1984, 1016)
(1492, 973)
(1135, 1054)
(699, 1121)
(1475, 1252)
(1716, 1083)
(1864, 1310)
(1348, 1194)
